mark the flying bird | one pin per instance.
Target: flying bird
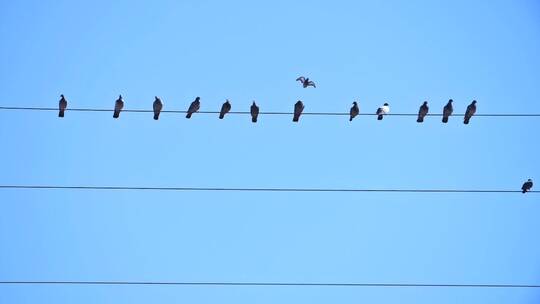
(354, 111)
(305, 82)
(298, 108)
(254, 112)
(527, 186)
(447, 111)
(118, 106)
(158, 106)
(383, 111)
(225, 108)
(424, 109)
(193, 107)
(471, 109)
(62, 105)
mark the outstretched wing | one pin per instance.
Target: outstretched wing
(311, 83)
(301, 79)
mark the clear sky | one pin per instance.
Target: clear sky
(402, 52)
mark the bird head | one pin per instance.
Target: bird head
(355, 103)
(157, 98)
(120, 97)
(425, 103)
(529, 180)
(62, 95)
(474, 102)
(254, 103)
(197, 98)
(450, 101)
(386, 104)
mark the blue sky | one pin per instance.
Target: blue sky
(402, 52)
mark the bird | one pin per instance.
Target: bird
(62, 105)
(298, 108)
(118, 106)
(158, 106)
(527, 186)
(306, 82)
(193, 107)
(383, 111)
(471, 109)
(354, 111)
(254, 112)
(225, 108)
(447, 111)
(424, 109)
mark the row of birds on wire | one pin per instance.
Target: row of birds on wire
(298, 108)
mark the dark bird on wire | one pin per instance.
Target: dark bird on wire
(471, 109)
(306, 82)
(424, 109)
(225, 108)
(62, 105)
(298, 108)
(193, 107)
(354, 111)
(527, 186)
(447, 111)
(383, 111)
(158, 106)
(118, 106)
(254, 112)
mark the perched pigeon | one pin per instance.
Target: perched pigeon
(118, 106)
(447, 111)
(254, 112)
(62, 105)
(158, 106)
(354, 111)
(298, 108)
(527, 186)
(193, 107)
(382, 111)
(306, 82)
(225, 108)
(424, 109)
(471, 109)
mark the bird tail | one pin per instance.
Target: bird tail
(296, 118)
(445, 119)
(379, 117)
(156, 116)
(254, 119)
(466, 120)
(188, 115)
(221, 115)
(116, 114)
(420, 119)
(350, 119)
(61, 113)
(524, 190)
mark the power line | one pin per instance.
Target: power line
(223, 189)
(270, 284)
(261, 113)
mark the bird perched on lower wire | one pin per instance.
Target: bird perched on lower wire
(385, 109)
(193, 107)
(158, 106)
(471, 109)
(447, 111)
(424, 109)
(254, 110)
(298, 108)
(306, 82)
(355, 110)
(527, 186)
(225, 108)
(118, 106)
(62, 105)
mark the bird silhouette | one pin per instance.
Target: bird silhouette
(225, 108)
(193, 107)
(62, 105)
(254, 112)
(118, 106)
(527, 186)
(298, 108)
(158, 106)
(383, 111)
(354, 111)
(306, 82)
(471, 110)
(447, 111)
(424, 109)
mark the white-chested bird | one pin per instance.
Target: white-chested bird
(118, 106)
(298, 108)
(225, 108)
(306, 82)
(471, 110)
(385, 109)
(62, 105)
(194, 107)
(424, 109)
(355, 110)
(527, 186)
(158, 106)
(447, 111)
(254, 112)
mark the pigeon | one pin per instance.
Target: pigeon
(354, 111)
(158, 106)
(62, 105)
(447, 111)
(424, 109)
(118, 106)
(193, 107)
(306, 82)
(298, 108)
(527, 186)
(382, 111)
(471, 109)
(225, 108)
(254, 112)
